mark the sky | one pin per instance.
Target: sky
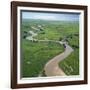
(50, 16)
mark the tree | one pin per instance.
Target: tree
(60, 38)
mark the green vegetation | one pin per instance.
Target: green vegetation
(36, 54)
(71, 64)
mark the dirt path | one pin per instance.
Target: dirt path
(52, 68)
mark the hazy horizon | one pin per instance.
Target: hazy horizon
(50, 16)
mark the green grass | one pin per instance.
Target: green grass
(70, 65)
(59, 30)
(37, 54)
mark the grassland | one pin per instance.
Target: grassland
(36, 54)
(70, 65)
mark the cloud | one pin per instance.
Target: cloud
(44, 17)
